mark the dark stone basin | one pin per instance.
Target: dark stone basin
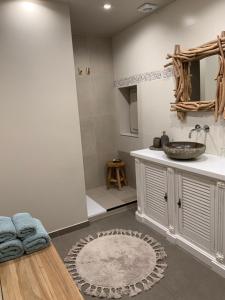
(184, 150)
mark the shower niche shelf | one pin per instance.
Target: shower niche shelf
(128, 111)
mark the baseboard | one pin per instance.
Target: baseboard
(218, 268)
(71, 228)
(68, 229)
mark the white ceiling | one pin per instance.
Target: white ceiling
(88, 16)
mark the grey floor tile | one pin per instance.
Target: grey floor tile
(185, 278)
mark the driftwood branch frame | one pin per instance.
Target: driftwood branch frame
(181, 62)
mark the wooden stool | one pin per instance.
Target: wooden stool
(116, 174)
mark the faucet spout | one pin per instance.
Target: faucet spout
(190, 133)
(198, 128)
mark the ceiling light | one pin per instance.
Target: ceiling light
(147, 8)
(29, 6)
(107, 6)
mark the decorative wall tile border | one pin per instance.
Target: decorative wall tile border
(139, 78)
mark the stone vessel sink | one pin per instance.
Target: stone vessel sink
(184, 150)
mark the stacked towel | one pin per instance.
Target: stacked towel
(21, 233)
(25, 225)
(37, 241)
(7, 229)
(11, 250)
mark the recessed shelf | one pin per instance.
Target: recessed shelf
(134, 135)
(128, 110)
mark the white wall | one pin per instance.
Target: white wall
(41, 159)
(143, 48)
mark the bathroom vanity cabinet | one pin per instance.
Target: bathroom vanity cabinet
(184, 200)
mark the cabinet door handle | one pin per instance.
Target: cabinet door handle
(166, 197)
(179, 203)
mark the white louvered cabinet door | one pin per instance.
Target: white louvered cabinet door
(196, 210)
(155, 190)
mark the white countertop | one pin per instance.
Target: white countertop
(207, 164)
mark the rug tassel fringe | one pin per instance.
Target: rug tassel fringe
(89, 238)
(102, 294)
(110, 294)
(118, 294)
(134, 290)
(88, 290)
(147, 284)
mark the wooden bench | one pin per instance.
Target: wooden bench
(39, 276)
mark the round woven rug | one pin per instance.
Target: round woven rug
(115, 263)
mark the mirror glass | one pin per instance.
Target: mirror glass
(203, 78)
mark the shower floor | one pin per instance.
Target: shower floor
(112, 198)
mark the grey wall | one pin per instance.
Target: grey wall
(96, 106)
(41, 156)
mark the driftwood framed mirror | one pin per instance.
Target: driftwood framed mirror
(187, 65)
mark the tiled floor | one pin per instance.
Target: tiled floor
(185, 278)
(110, 198)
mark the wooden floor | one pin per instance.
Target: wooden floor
(39, 276)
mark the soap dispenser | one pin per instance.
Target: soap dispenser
(164, 139)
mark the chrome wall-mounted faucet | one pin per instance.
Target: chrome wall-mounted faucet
(198, 128)
(206, 128)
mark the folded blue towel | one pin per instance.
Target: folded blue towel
(7, 229)
(37, 241)
(11, 250)
(25, 225)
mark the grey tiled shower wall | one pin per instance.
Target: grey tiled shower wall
(96, 105)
